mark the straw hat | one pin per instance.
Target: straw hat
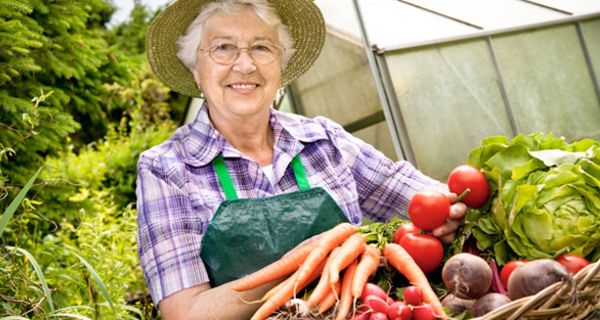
(302, 17)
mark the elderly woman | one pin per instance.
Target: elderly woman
(295, 177)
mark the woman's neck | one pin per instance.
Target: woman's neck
(253, 137)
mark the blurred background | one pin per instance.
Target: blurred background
(421, 80)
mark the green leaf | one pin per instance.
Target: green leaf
(557, 157)
(14, 318)
(10, 211)
(39, 273)
(70, 315)
(99, 281)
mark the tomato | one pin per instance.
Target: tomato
(508, 269)
(465, 176)
(429, 209)
(404, 230)
(426, 250)
(413, 295)
(572, 262)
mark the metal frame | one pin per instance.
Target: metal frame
(393, 124)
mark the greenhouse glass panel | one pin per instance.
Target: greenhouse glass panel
(548, 83)
(339, 85)
(591, 34)
(449, 100)
(378, 135)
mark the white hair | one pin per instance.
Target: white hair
(188, 43)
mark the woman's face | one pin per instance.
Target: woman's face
(244, 87)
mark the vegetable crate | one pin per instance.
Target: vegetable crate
(558, 301)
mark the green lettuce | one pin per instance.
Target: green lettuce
(545, 197)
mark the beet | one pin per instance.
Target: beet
(456, 304)
(536, 275)
(467, 276)
(488, 303)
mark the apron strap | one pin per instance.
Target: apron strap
(299, 173)
(227, 183)
(224, 178)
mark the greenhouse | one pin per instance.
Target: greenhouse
(442, 75)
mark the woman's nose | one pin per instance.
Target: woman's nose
(244, 62)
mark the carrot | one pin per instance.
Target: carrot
(283, 293)
(322, 287)
(404, 263)
(330, 299)
(346, 291)
(369, 262)
(280, 268)
(328, 240)
(349, 251)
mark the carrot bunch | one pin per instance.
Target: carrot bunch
(342, 259)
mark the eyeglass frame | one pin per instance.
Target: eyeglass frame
(211, 50)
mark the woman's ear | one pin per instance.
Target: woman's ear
(196, 75)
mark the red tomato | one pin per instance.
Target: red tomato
(413, 295)
(465, 176)
(404, 230)
(426, 250)
(428, 209)
(508, 269)
(572, 262)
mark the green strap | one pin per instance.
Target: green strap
(224, 178)
(227, 184)
(300, 174)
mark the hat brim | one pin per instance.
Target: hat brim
(303, 18)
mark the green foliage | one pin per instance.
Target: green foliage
(79, 100)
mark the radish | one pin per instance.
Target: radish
(423, 312)
(399, 311)
(536, 275)
(377, 304)
(467, 276)
(372, 289)
(378, 316)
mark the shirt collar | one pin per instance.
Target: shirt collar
(199, 142)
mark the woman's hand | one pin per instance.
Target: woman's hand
(447, 232)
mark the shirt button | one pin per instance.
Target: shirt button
(355, 219)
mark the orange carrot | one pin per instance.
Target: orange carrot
(284, 293)
(330, 299)
(328, 240)
(369, 262)
(322, 287)
(346, 291)
(349, 251)
(404, 263)
(280, 268)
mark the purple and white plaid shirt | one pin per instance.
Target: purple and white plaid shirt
(178, 190)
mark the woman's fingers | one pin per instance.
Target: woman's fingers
(448, 228)
(457, 211)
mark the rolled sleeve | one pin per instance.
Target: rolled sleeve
(169, 233)
(385, 187)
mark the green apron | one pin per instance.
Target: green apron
(245, 235)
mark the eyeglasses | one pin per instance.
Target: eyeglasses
(227, 53)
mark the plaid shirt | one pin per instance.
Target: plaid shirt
(178, 190)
